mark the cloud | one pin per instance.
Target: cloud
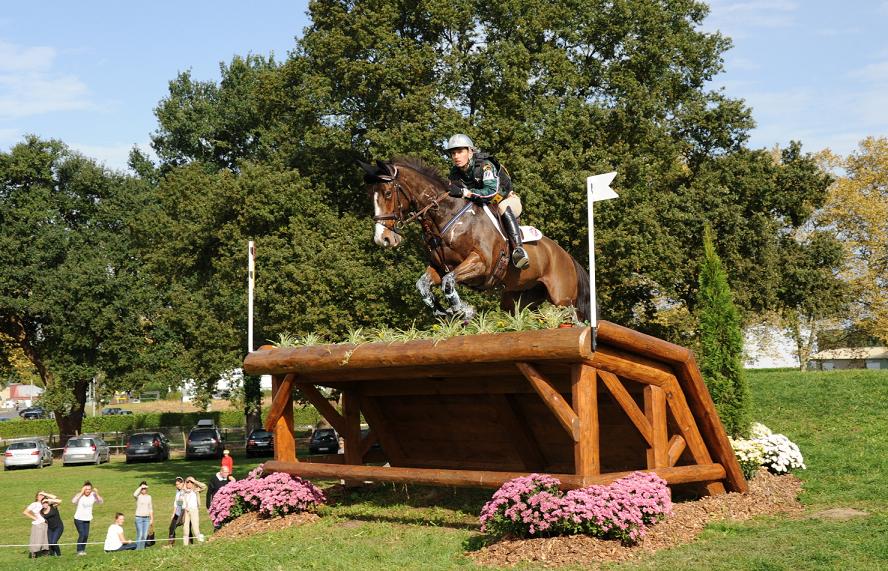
(733, 17)
(30, 86)
(112, 156)
(871, 72)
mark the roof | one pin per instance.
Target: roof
(19, 391)
(850, 353)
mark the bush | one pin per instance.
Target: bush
(273, 495)
(534, 506)
(775, 452)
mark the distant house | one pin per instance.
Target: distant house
(19, 394)
(850, 358)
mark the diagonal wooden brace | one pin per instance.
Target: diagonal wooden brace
(281, 399)
(627, 403)
(330, 414)
(553, 399)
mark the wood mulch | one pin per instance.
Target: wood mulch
(768, 495)
(250, 523)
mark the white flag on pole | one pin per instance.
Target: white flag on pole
(597, 188)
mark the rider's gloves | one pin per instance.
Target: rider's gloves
(457, 191)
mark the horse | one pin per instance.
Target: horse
(465, 246)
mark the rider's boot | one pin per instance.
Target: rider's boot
(510, 223)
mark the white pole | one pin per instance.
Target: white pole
(251, 270)
(596, 189)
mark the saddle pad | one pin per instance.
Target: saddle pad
(530, 234)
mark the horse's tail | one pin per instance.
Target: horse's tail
(584, 312)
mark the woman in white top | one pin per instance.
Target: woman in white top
(144, 514)
(39, 543)
(191, 510)
(85, 499)
(114, 539)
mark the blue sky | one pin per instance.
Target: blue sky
(90, 73)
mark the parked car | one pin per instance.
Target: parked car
(147, 446)
(323, 440)
(86, 450)
(33, 412)
(34, 453)
(114, 410)
(260, 443)
(204, 442)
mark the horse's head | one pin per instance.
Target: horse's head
(390, 202)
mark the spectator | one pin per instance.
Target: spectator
(85, 499)
(38, 544)
(217, 482)
(144, 514)
(191, 506)
(228, 461)
(115, 540)
(54, 525)
(178, 510)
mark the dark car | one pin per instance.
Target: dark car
(323, 441)
(147, 446)
(114, 410)
(260, 443)
(204, 442)
(33, 412)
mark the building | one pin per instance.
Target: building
(19, 396)
(850, 358)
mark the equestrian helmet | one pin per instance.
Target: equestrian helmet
(459, 141)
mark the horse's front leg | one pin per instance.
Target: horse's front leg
(424, 284)
(472, 267)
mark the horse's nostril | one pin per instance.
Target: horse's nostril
(387, 242)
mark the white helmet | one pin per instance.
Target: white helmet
(459, 141)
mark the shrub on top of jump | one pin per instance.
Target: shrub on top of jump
(271, 495)
(534, 506)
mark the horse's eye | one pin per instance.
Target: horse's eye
(387, 194)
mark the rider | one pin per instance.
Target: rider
(479, 176)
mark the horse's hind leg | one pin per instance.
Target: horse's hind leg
(424, 284)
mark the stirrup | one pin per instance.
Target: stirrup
(519, 258)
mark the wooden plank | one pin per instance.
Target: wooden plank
(480, 385)
(635, 342)
(517, 432)
(282, 397)
(655, 411)
(379, 424)
(676, 447)
(478, 478)
(351, 413)
(552, 344)
(627, 403)
(631, 367)
(420, 374)
(284, 437)
(713, 431)
(584, 397)
(554, 401)
(323, 406)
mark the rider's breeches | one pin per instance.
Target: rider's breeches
(512, 201)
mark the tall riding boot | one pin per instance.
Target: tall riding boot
(510, 223)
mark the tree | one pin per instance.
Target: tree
(721, 339)
(70, 290)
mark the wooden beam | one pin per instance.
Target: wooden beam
(632, 367)
(518, 433)
(635, 342)
(478, 478)
(282, 397)
(584, 397)
(323, 406)
(627, 403)
(542, 345)
(676, 447)
(655, 411)
(351, 413)
(553, 400)
(284, 437)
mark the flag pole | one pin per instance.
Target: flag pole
(251, 270)
(597, 188)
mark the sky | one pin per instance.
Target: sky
(91, 73)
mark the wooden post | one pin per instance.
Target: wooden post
(351, 413)
(584, 397)
(655, 411)
(284, 437)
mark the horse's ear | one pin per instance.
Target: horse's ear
(366, 167)
(385, 167)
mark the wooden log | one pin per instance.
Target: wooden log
(676, 447)
(518, 432)
(553, 400)
(478, 478)
(323, 406)
(627, 403)
(630, 366)
(713, 431)
(655, 411)
(543, 345)
(282, 398)
(351, 414)
(584, 397)
(284, 437)
(635, 342)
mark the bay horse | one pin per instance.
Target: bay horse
(464, 246)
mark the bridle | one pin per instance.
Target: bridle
(398, 220)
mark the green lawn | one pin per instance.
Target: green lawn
(839, 419)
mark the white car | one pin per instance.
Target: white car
(34, 453)
(86, 450)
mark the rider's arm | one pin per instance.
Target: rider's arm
(489, 180)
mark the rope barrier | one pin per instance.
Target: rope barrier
(156, 540)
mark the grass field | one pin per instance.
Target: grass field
(839, 419)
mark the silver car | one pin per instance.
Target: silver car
(34, 453)
(86, 450)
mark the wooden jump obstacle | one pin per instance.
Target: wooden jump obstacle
(479, 410)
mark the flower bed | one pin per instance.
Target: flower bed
(775, 452)
(534, 506)
(271, 495)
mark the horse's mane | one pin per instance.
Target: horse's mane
(421, 167)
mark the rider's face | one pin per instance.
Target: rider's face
(460, 156)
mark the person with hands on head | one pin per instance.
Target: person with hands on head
(191, 506)
(38, 544)
(115, 540)
(54, 525)
(144, 514)
(85, 499)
